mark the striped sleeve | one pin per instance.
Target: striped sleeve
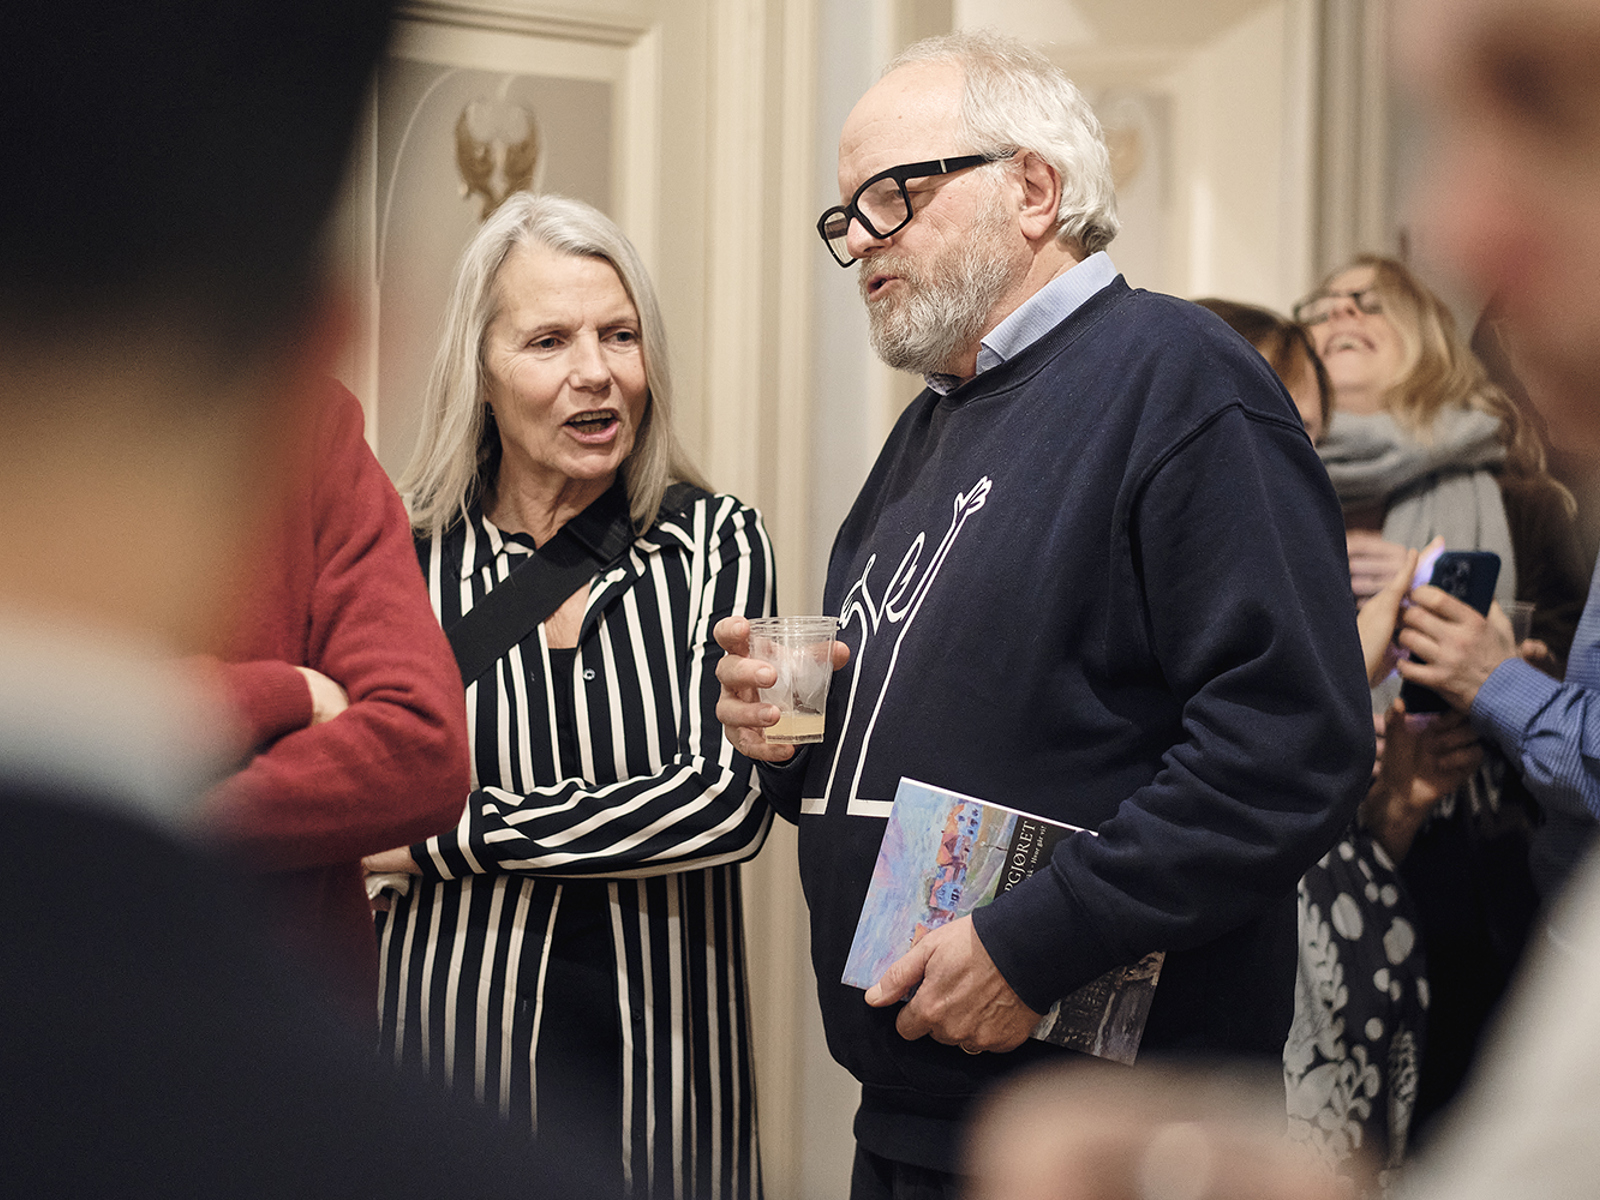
(1550, 730)
(655, 787)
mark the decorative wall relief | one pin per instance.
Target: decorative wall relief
(452, 143)
(497, 150)
(1126, 145)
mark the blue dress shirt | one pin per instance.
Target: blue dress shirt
(1551, 730)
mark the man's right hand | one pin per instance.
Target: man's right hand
(1454, 647)
(744, 715)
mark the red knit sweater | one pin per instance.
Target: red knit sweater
(339, 590)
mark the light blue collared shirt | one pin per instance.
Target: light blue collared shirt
(1036, 316)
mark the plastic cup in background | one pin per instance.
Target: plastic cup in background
(800, 649)
(1521, 614)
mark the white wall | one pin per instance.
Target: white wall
(1241, 181)
(1218, 99)
(854, 46)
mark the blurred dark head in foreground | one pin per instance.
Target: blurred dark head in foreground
(174, 159)
(168, 170)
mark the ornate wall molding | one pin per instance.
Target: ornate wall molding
(605, 30)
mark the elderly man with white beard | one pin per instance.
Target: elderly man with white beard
(1098, 575)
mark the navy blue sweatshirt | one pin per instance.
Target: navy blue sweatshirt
(1104, 582)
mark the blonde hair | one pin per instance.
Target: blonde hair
(458, 448)
(1438, 369)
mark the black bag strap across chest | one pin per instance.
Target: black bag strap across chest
(580, 550)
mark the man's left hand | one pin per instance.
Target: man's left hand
(961, 998)
(1459, 648)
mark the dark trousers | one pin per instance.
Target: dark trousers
(874, 1177)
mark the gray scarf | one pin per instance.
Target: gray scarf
(1441, 486)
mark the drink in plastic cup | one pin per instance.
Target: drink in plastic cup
(800, 649)
(1521, 614)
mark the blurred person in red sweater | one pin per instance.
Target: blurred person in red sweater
(350, 701)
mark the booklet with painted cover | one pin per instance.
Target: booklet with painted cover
(945, 854)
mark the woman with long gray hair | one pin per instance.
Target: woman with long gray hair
(572, 951)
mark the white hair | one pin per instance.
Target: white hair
(458, 448)
(1014, 98)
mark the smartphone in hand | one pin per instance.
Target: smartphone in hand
(1469, 576)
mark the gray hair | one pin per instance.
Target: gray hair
(1013, 97)
(458, 448)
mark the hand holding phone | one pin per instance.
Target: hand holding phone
(1469, 576)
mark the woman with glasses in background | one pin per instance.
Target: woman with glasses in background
(1421, 438)
(1423, 445)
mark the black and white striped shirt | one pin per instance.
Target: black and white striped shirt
(599, 843)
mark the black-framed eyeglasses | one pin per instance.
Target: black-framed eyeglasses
(883, 205)
(1314, 310)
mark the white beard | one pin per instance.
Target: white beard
(946, 303)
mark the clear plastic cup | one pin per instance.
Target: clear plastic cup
(800, 649)
(1521, 614)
